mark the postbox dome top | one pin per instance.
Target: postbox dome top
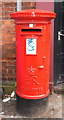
(33, 13)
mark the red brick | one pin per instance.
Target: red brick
(8, 42)
(7, 8)
(9, 4)
(8, 51)
(28, 5)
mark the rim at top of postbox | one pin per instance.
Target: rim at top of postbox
(33, 14)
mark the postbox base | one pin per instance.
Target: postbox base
(32, 97)
(30, 107)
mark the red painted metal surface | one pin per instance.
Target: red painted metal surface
(50, 7)
(33, 52)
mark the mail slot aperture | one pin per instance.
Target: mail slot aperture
(31, 30)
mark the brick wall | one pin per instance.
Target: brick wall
(28, 5)
(8, 39)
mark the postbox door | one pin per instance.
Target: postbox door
(32, 64)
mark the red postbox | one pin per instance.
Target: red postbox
(32, 52)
